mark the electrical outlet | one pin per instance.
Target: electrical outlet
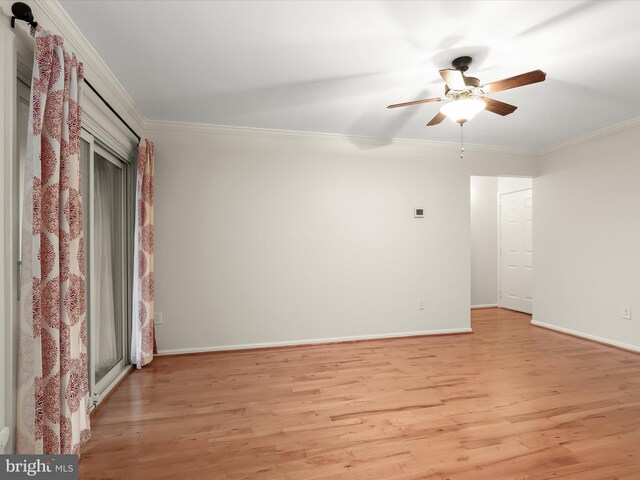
(421, 304)
(158, 320)
(4, 438)
(626, 313)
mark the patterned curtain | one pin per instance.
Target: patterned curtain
(53, 393)
(143, 342)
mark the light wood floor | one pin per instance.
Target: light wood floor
(508, 402)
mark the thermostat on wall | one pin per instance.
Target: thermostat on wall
(418, 212)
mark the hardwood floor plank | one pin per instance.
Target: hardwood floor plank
(509, 401)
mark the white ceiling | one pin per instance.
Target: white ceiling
(333, 66)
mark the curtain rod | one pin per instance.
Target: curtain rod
(22, 11)
(112, 109)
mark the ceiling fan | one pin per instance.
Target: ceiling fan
(468, 96)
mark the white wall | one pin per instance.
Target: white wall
(264, 237)
(586, 238)
(484, 241)
(513, 184)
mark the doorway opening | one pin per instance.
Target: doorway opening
(502, 243)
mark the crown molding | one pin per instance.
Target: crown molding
(203, 128)
(588, 137)
(51, 14)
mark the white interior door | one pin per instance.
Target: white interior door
(516, 251)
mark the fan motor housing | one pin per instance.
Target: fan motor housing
(471, 82)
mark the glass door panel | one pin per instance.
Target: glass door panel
(108, 273)
(106, 194)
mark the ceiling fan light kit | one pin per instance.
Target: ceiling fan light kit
(468, 98)
(462, 110)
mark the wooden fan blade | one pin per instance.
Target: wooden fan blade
(512, 82)
(500, 108)
(454, 79)
(437, 119)
(415, 102)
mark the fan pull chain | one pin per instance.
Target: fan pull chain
(461, 142)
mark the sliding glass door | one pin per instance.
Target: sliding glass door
(107, 241)
(107, 231)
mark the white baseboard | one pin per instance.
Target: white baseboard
(245, 346)
(488, 305)
(595, 338)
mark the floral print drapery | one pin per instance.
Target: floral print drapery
(53, 393)
(143, 335)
